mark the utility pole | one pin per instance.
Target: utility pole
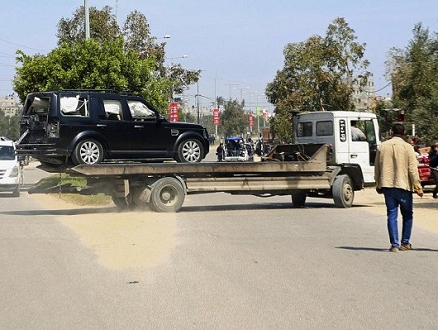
(87, 20)
(197, 99)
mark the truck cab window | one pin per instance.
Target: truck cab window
(304, 129)
(324, 128)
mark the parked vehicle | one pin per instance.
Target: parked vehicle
(11, 171)
(237, 150)
(94, 126)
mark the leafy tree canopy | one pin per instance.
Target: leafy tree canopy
(415, 83)
(128, 59)
(9, 126)
(234, 121)
(317, 75)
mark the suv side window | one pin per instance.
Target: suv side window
(74, 106)
(140, 111)
(113, 109)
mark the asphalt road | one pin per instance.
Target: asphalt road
(222, 262)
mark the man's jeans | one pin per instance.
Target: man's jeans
(395, 197)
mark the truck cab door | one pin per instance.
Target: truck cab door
(363, 152)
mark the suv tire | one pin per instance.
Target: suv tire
(190, 151)
(87, 151)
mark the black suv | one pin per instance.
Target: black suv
(91, 126)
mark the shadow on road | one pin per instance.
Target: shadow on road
(77, 211)
(261, 206)
(360, 248)
(184, 209)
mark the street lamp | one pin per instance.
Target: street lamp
(174, 58)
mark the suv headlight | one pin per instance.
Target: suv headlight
(14, 172)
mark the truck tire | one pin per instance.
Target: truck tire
(87, 151)
(342, 191)
(298, 198)
(190, 151)
(123, 203)
(167, 195)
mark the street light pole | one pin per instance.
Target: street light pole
(87, 20)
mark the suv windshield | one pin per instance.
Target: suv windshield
(7, 153)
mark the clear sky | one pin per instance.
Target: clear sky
(238, 44)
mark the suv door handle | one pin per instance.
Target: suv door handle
(138, 126)
(101, 125)
(353, 155)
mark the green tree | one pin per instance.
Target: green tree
(112, 59)
(234, 121)
(9, 126)
(103, 26)
(415, 82)
(317, 75)
(89, 64)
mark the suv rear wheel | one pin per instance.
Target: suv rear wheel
(87, 151)
(190, 151)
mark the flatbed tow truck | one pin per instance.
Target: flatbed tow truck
(295, 170)
(324, 161)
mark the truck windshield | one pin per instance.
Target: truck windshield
(7, 153)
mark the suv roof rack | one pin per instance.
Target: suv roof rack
(90, 90)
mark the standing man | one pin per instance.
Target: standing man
(396, 176)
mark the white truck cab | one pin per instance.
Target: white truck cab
(11, 171)
(334, 128)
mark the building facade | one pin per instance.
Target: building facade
(364, 92)
(9, 105)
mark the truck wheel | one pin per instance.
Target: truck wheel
(342, 191)
(190, 151)
(167, 195)
(123, 203)
(299, 198)
(87, 151)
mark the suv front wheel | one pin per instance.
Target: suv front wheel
(190, 151)
(87, 151)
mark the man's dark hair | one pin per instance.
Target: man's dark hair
(398, 129)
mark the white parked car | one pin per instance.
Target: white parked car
(11, 170)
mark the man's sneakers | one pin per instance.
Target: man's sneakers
(406, 247)
(403, 247)
(393, 249)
